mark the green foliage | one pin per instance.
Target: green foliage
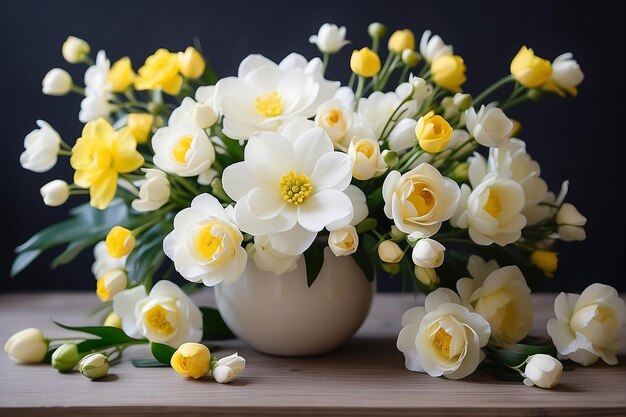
(365, 256)
(314, 260)
(162, 353)
(214, 326)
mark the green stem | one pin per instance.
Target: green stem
(515, 102)
(359, 92)
(325, 59)
(77, 89)
(492, 88)
(65, 153)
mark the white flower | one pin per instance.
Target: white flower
(266, 258)
(27, 346)
(57, 82)
(154, 192)
(191, 112)
(443, 337)
(490, 126)
(449, 108)
(420, 200)
(402, 136)
(501, 296)
(376, 110)
(427, 276)
(55, 193)
(344, 241)
(290, 186)
(228, 368)
(205, 244)
(111, 283)
(337, 120)
(206, 95)
(97, 91)
(74, 49)
(571, 223)
(421, 89)
(184, 150)
(166, 315)
(432, 48)
(367, 161)
(566, 72)
(390, 252)
(359, 206)
(330, 38)
(104, 262)
(42, 147)
(543, 371)
(428, 253)
(265, 95)
(587, 326)
(206, 177)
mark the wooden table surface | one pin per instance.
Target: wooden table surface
(364, 378)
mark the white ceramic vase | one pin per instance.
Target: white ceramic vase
(281, 315)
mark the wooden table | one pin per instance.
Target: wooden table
(364, 378)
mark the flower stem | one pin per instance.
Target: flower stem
(492, 88)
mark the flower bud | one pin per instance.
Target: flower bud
(401, 40)
(343, 242)
(390, 252)
(65, 357)
(397, 234)
(448, 71)
(367, 161)
(121, 75)
(427, 276)
(535, 94)
(55, 193)
(377, 30)
(462, 101)
(192, 359)
(570, 223)
(411, 58)
(94, 366)
(191, 63)
(153, 193)
(545, 260)
(543, 371)
(228, 368)
(113, 320)
(27, 346)
(390, 158)
(140, 125)
(57, 82)
(433, 132)
(365, 62)
(428, 253)
(110, 284)
(75, 50)
(41, 148)
(330, 38)
(530, 70)
(120, 242)
(460, 172)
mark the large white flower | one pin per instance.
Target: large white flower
(290, 186)
(41, 148)
(104, 262)
(97, 91)
(166, 315)
(265, 95)
(420, 200)
(266, 258)
(205, 244)
(184, 149)
(443, 337)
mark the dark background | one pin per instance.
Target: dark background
(580, 139)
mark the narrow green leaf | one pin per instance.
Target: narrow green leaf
(23, 260)
(112, 334)
(73, 250)
(507, 357)
(162, 353)
(366, 249)
(314, 260)
(214, 326)
(148, 363)
(548, 349)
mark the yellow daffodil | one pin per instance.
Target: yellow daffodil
(530, 70)
(140, 125)
(365, 62)
(448, 71)
(160, 71)
(121, 75)
(99, 155)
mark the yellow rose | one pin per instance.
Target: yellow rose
(191, 63)
(121, 75)
(365, 62)
(530, 70)
(140, 125)
(192, 359)
(160, 71)
(448, 71)
(433, 132)
(401, 40)
(545, 260)
(120, 242)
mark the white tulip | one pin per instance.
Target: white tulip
(543, 371)
(266, 258)
(344, 241)
(367, 161)
(433, 47)
(98, 89)
(42, 148)
(390, 252)
(191, 112)
(227, 369)
(571, 223)
(490, 126)
(55, 193)
(566, 72)
(402, 136)
(330, 38)
(75, 49)
(154, 192)
(428, 253)
(587, 326)
(104, 262)
(57, 82)
(27, 346)
(184, 150)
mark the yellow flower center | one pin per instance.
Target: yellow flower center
(295, 189)
(333, 116)
(442, 341)
(492, 206)
(422, 199)
(182, 147)
(208, 244)
(156, 320)
(366, 148)
(101, 290)
(269, 104)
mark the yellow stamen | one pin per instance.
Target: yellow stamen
(493, 206)
(442, 341)
(422, 199)
(207, 244)
(269, 104)
(180, 150)
(295, 189)
(365, 148)
(156, 320)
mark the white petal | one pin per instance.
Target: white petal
(333, 170)
(265, 203)
(237, 180)
(323, 208)
(269, 156)
(293, 241)
(310, 147)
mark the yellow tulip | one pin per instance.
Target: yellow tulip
(110, 284)
(433, 132)
(365, 63)
(140, 125)
(119, 242)
(545, 260)
(191, 63)
(401, 40)
(448, 71)
(160, 71)
(530, 70)
(121, 75)
(192, 359)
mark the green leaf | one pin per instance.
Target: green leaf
(162, 353)
(111, 334)
(214, 326)
(362, 256)
(73, 250)
(507, 357)
(548, 349)
(314, 260)
(148, 363)
(23, 260)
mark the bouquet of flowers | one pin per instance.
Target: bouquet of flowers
(398, 168)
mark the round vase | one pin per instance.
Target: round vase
(281, 315)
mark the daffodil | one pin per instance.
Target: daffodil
(160, 71)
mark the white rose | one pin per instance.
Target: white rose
(344, 241)
(228, 368)
(432, 48)
(42, 148)
(501, 296)
(154, 192)
(390, 252)
(55, 193)
(184, 150)
(193, 113)
(543, 371)
(566, 72)
(428, 253)
(266, 258)
(367, 161)
(420, 200)
(166, 315)
(330, 38)
(402, 136)
(336, 120)
(104, 262)
(443, 337)
(571, 223)
(57, 82)
(587, 326)
(490, 126)
(75, 49)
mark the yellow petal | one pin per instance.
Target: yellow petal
(172, 86)
(103, 189)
